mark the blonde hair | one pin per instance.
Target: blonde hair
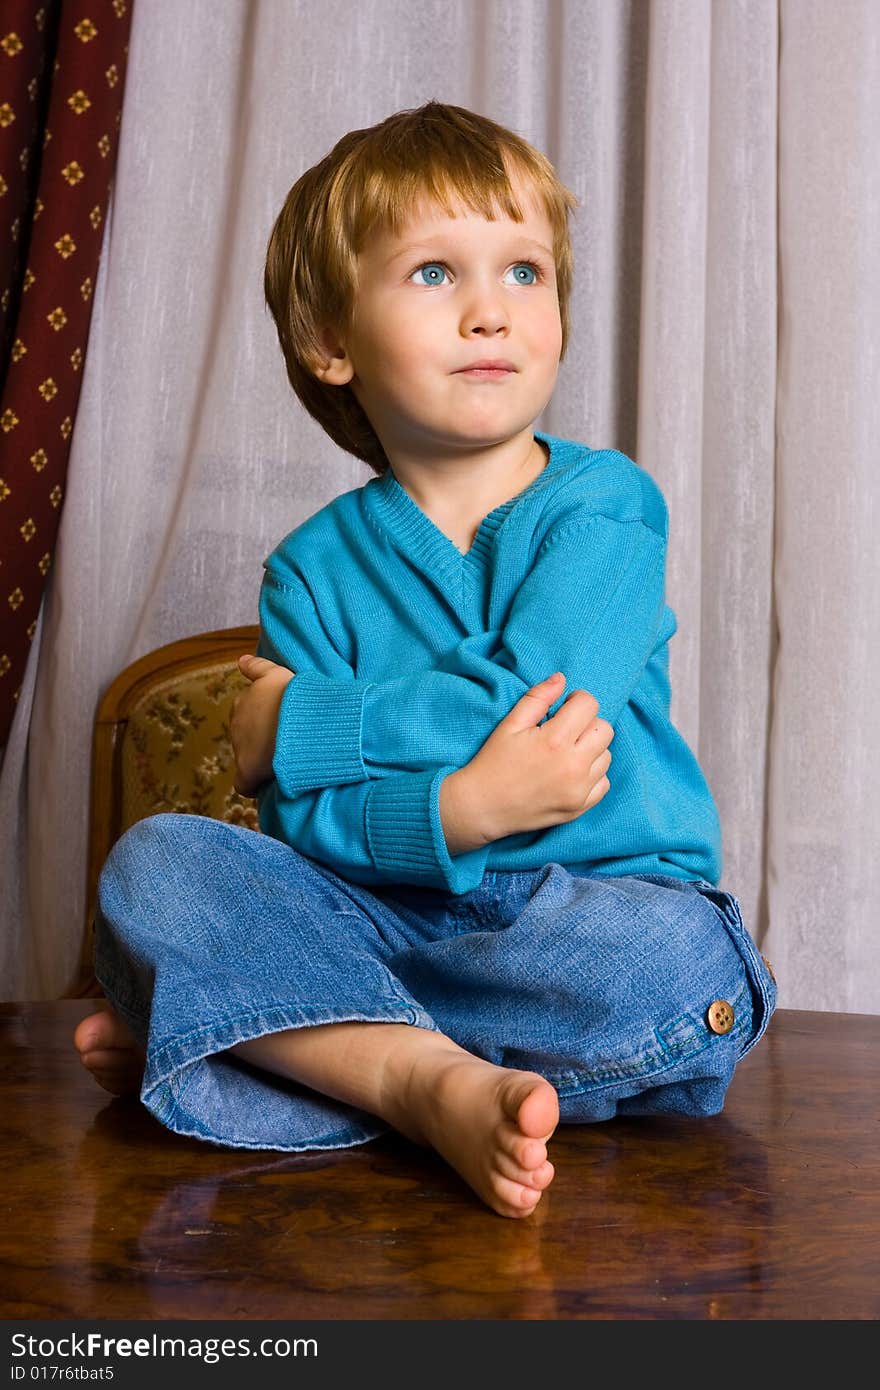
(373, 178)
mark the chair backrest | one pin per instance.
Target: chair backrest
(161, 743)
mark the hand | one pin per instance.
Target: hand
(529, 775)
(253, 725)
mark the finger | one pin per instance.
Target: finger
(601, 764)
(597, 793)
(530, 708)
(576, 713)
(255, 666)
(597, 733)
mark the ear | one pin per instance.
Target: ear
(335, 368)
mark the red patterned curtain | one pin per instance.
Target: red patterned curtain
(62, 75)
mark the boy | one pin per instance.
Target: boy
(455, 923)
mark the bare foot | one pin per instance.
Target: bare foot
(490, 1123)
(109, 1050)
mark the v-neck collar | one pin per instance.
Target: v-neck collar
(405, 521)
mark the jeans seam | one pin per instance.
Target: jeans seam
(757, 975)
(577, 1082)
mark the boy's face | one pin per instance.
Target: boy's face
(445, 293)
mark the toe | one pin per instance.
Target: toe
(87, 1033)
(104, 1030)
(532, 1104)
(539, 1177)
(514, 1198)
(543, 1176)
(525, 1153)
(109, 1059)
(538, 1113)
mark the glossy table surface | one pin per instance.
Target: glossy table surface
(768, 1211)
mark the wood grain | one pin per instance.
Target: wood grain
(768, 1211)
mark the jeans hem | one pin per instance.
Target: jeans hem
(174, 1117)
(181, 1051)
(158, 1095)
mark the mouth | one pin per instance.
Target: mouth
(487, 370)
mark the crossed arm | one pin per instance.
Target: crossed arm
(390, 780)
(322, 728)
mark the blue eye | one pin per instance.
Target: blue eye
(434, 273)
(525, 268)
(432, 270)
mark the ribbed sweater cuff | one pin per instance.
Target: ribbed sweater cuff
(318, 743)
(405, 834)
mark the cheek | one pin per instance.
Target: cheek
(548, 335)
(401, 338)
(397, 372)
(381, 357)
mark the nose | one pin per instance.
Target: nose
(486, 312)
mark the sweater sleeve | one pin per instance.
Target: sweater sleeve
(372, 831)
(292, 634)
(385, 831)
(591, 606)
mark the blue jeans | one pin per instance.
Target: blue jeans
(208, 934)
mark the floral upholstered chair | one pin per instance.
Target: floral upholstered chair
(161, 743)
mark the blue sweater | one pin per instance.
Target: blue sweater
(409, 653)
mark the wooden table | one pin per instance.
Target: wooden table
(768, 1211)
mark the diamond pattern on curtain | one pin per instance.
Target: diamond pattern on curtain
(62, 76)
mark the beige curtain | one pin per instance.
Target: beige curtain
(726, 336)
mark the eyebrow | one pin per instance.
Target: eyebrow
(413, 246)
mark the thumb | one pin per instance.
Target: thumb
(254, 666)
(531, 708)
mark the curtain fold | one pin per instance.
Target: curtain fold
(707, 387)
(823, 876)
(62, 78)
(726, 333)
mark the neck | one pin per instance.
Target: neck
(461, 486)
